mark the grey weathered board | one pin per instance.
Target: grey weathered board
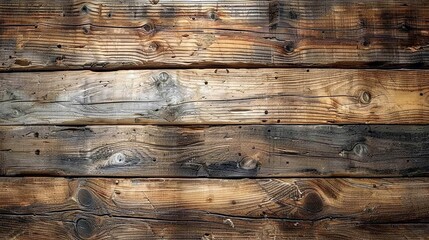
(103, 34)
(216, 151)
(216, 96)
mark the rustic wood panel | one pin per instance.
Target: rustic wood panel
(74, 225)
(99, 34)
(391, 200)
(215, 96)
(217, 151)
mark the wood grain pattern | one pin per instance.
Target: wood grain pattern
(104, 34)
(77, 225)
(217, 151)
(215, 96)
(366, 200)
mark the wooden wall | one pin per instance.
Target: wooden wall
(223, 119)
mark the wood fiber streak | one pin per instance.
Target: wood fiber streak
(78, 225)
(96, 34)
(366, 200)
(216, 96)
(217, 151)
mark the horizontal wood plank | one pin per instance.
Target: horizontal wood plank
(76, 225)
(217, 151)
(104, 34)
(378, 200)
(216, 96)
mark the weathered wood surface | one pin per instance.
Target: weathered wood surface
(215, 96)
(76, 225)
(390, 200)
(217, 151)
(99, 34)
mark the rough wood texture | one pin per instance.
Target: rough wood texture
(215, 96)
(76, 225)
(392, 200)
(99, 34)
(217, 151)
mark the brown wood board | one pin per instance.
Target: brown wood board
(216, 96)
(99, 34)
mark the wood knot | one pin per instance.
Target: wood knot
(86, 29)
(213, 15)
(249, 164)
(84, 228)
(365, 42)
(361, 150)
(149, 27)
(293, 15)
(153, 47)
(207, 236)
(365, 97)
(85, 198)
(405, 27)
(313, 202)
(163, 77)
(84, 9)
(289, 47)
(117, 159)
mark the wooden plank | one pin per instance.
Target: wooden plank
(217, 151)
(66, 226)
(215, 96)
(377, 200)
(103, 34)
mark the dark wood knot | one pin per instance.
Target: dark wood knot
(84, 228)
(289, 47)
(313, 202)
(85, 198)
(361, 150)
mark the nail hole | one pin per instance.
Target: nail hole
(266, 111)
(206, 82)
(421, 94)
(36, 134)
(59, 46)
(278, 120)
(37, 152)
